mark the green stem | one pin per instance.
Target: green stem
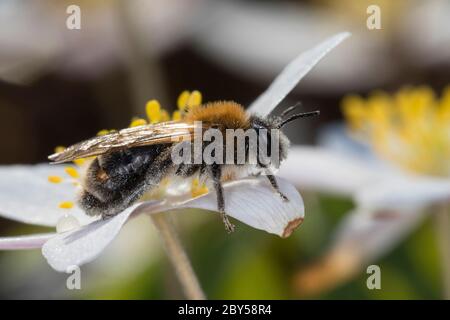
(178, 257)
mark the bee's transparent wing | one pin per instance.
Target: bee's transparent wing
(292, 74)
(164, 132)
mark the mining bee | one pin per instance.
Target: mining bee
(133, 161)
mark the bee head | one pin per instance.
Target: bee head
(274, 124)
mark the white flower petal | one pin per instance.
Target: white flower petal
(24, 242)
(138, 242)
(403, 192)
(254, 202)
(387, 186)
(251, 201)
(292, 74)
(80, 246)
(369, 235)
(27, 196)
(337, 138)
(323, 170)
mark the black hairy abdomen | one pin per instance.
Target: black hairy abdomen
(114, 181)
(126, 167)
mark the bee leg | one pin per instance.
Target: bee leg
(274, 184)
(215, 173)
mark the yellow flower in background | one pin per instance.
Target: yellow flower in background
(411, 127)
(392, 157)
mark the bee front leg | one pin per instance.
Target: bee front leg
(274, 184)
(215, 173)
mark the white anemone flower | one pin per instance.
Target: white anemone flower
(38, 194)
(394, 161)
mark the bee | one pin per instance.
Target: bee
(133, 161)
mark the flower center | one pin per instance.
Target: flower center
(410, 128)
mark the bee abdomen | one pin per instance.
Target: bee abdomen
(127, 162)
(116, 180)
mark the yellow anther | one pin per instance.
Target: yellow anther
(66, 205)
(444, 108)
(195, 99)
(102, 132)
(182, 101)
(137, 122)
(410, 128)
(197, 189)
(54, 179)
(79, 162)
(59, 149)
(164, 116)
(354, 110)
(72, 172)
(176, 115)
(153, 110)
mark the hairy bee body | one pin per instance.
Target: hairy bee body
(114, 181)
(134, 161)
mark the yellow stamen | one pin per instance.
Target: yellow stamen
(59, 149)
(410, 128)
(164, 116)
(354, 110)
(79, 162)
(176, 115)
(137, 122)
(72, 172)
(197, 189)
(66, 205)
(153, 110)
(195, 99)
(54, 179)
(182, 101)
(102, 132)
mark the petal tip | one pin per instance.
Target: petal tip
(291, 226)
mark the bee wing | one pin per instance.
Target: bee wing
(164, 132)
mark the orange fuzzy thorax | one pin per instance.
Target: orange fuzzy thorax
(227, 113)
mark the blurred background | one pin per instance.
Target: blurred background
(59, 86)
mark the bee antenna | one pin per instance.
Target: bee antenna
(299, 115)
(288, 110)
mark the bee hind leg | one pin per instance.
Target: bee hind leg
(215, 173)
(274, 184)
